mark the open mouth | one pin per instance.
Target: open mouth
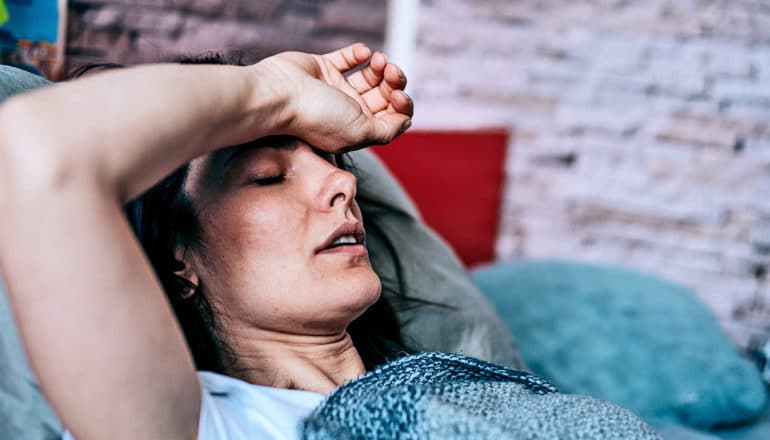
(345, 240)
(348, 237)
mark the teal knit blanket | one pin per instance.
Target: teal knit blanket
(447, 396)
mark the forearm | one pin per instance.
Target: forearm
(90, 309)
(130, 127)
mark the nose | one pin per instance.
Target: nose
(339, 189)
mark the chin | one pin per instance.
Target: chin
(362, 290)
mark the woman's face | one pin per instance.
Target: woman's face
(267, 213)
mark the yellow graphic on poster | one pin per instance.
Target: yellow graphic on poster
(32, 35)
(3, 13)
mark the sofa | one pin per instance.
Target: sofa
(599, 330)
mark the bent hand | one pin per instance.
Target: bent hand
(338, 113)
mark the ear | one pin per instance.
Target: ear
(184, 269)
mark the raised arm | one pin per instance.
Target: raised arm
(136, 125)
(94, 320)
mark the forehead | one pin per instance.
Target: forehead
(230, 156)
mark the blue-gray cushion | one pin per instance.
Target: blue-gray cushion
(13, 81)
(431, 272)
(643, 343)
(24, 413)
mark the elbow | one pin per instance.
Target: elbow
(30, 160)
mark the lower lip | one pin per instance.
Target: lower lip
(350, 249)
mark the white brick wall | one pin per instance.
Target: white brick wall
(664, 107)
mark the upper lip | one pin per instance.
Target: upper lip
(348, 228)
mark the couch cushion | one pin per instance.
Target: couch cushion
(13, 81)
(629, 338)
(431, 271)
(456, 177)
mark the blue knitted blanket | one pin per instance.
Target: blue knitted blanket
(447, 396)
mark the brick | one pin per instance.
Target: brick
(760, 239)
(202, 34)
(259, 10)
(581, 119)
(742, 91)
(212, 8)
(360, 16)
(757, 111)
(706, 130)
(529, 101)
(124, 4)
(476, 114)
(730, 61)
(442, 43)
(151, 21)
(102, 41)
(611, 51)
(104, 17)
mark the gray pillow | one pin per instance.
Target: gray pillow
(431, 271)
(13, 81)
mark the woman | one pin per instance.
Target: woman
(263, 258)
(92, 290)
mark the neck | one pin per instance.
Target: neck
(303, 362)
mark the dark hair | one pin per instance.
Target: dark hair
(164, 217)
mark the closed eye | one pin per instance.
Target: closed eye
(270, 180)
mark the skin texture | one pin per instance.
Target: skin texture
(94, 320)
(285, 308)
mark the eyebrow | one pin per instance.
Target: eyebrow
(274, 143)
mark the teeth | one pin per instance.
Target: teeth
(345, 239)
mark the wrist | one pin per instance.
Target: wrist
(269, 102)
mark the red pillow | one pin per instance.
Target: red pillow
(456, 179)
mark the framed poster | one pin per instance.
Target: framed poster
(32, 34)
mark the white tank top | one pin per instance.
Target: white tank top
(232, 409)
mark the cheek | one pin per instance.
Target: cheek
(253, 247)
(267, 227)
